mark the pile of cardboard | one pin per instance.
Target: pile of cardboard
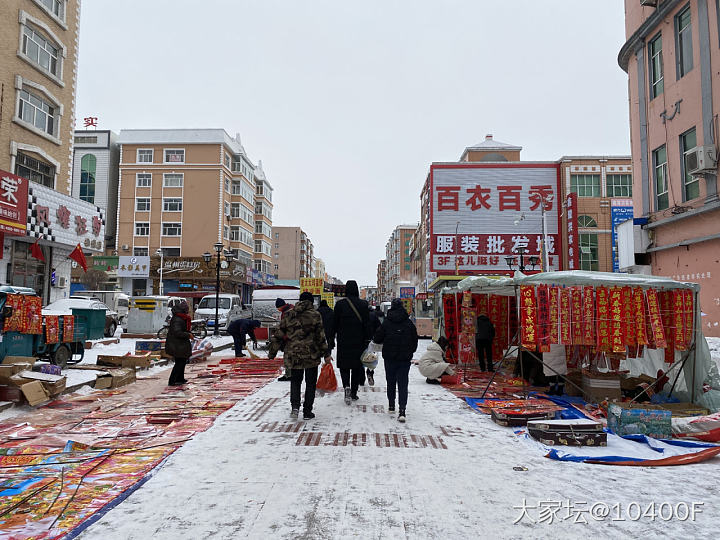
(109, 378)
(19, 383)
(142, 360)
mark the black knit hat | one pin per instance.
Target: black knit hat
(307, 296)
(279, 303)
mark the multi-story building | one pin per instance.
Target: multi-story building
(672, 62)
(292, 253)
(319, 269)
(38, 67)
(96, 158)
(398, 267)
(383, 295)
(263, 223)
(182, 191)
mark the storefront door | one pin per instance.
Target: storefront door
(27, 271)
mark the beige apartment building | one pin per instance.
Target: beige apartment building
(263, 223)
(182, 191)
(398, 264)
(292, 254)
(672, 61)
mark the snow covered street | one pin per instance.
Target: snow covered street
(354, 471)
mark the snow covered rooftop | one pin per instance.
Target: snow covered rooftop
(490, 144)
(180, 136)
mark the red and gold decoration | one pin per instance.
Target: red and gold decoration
(616, 313)
(658, 334)
(52, 329)
(639, 312)
(577, 315)
(528, 317)
(68, 328)
(565, 316)
(588, 316)
(603, 319)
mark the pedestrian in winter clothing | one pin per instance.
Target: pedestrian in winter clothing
(399, 338)
(238, 329)
(483, 342)
(379, 314)
(327, 315)
(284, 308)
(178, 343)
(432, 363)
(351, 333)
(302, 337)
(375, 323)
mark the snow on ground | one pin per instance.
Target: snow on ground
(247, 477)
(714, 344)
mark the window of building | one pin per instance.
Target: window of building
(84, 139)
(661, 180)
(88, 165)
(226, 206)
(227, 185)
(56, 7)
(172, 205)
(246, 214)
(143, 179)
(277, 255)
(258, 246)
(142, 228)
(277, 245)
(26, 270)
(40, 50)
(171, 229)
(172, 180)
(142, 204)
(37, 112)
(277, 235)
(226, 232)
(227, 160)
(589, 251)
(691, 185)
(234, 233)
(276, 267)
(174, 155)
(258, 227)
(235, 210)
(236, 187)
(586, 221)
(140, 251)
(683, 42)
(619, 185)
(171, 251)
(655, 70)
(585, 185)
(35, 170)
(144, 155)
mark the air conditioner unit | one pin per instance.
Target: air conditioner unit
(651, 3)
(60, 283)
(701, 158)
(125, 247)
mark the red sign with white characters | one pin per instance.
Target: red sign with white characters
(13, 204)
(573, 236)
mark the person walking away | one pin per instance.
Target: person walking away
(351, 333)
(432, 363)
(399, 338)
(375, 323)
(240, 328)
(327, 315)
(483, 342)
(284, 308)
(178, 343)
(379, 314)
(302, 337)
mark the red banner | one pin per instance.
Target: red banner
(528, 317)
(577, 315)
(480, 303)
(13, 204)
(52, 329)
(628, 326)
(543, 313)
(554, 314)
(467, 333)
(658, 333)
(603, 319)
(33, 314)
(588, 316)
(689, 310)
(573, 236)
(678, 314)
(616, 313)
(451, 327)
(639, 312)
(68, 328)
(666, 314)
(565, 316)
(495, 314)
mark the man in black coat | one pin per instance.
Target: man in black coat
(399, 338)
(483, 342)
(178, 343)
(351, 333)
(238, 329)
(327, 315)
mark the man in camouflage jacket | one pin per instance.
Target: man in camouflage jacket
(302, 337)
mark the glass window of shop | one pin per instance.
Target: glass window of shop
(26, 271)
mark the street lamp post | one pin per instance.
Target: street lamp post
(532, 260)
(218, 247)
(162, 255)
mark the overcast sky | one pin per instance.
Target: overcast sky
(348, 102)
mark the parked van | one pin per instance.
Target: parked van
(117, 301)
(230, 307)
(263, 302)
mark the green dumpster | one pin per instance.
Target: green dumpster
(89, 323)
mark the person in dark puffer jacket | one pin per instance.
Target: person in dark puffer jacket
(178, 343)
(399, 338)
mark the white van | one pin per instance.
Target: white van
(230, 307)
(263, 302)
(117, 301)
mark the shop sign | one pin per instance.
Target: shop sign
(13, 204)
(105, 264)
(421, 296)
(620, 210)
(407, 292)
(132, 266)
(312, 285)
(59, 218)
(573, 236)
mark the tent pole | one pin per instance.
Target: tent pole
(682, 365)
(532, 353)
(507, 351)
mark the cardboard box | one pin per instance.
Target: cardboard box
(600, 386)
(54, 384)
(103, 381)
(128, 361)
(121, 376)
(19, 360)
(633, 418)
(34, 393)
(7, 371)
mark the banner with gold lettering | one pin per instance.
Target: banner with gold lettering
(588, 316)
(565, 316)
(603, 319)
(528, 317)
(658, 333)
(554, 300)
(451, 326)
(480, 303)
(678, 314)
(689, 310)
(639, 312)
(577, 315)
(665, 299)
(543, 313)
(616, 314)
(628, 325)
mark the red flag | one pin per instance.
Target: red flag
(36, 251)
(79, 257)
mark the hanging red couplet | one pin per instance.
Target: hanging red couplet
(33, 314)
(451, 327)
(480, 302)
(639, 313)
(616, 313)
(689, 310)
(577, 315)
(628, 326)
(666, 314)
(603, 319)
(543, 312)
(588, 316)
(495, 314)
(565, 315)
(68, 328)
(678, 314)
(554, 301)
(528, 317)
(658, 333)
(52, 329)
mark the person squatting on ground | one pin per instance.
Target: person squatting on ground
(375, 323)
(432, 363)
(483, 342)
(284, 308)
(178, 343)
(302, 337)
(399, 338)
(238, 329)
(351, 333)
